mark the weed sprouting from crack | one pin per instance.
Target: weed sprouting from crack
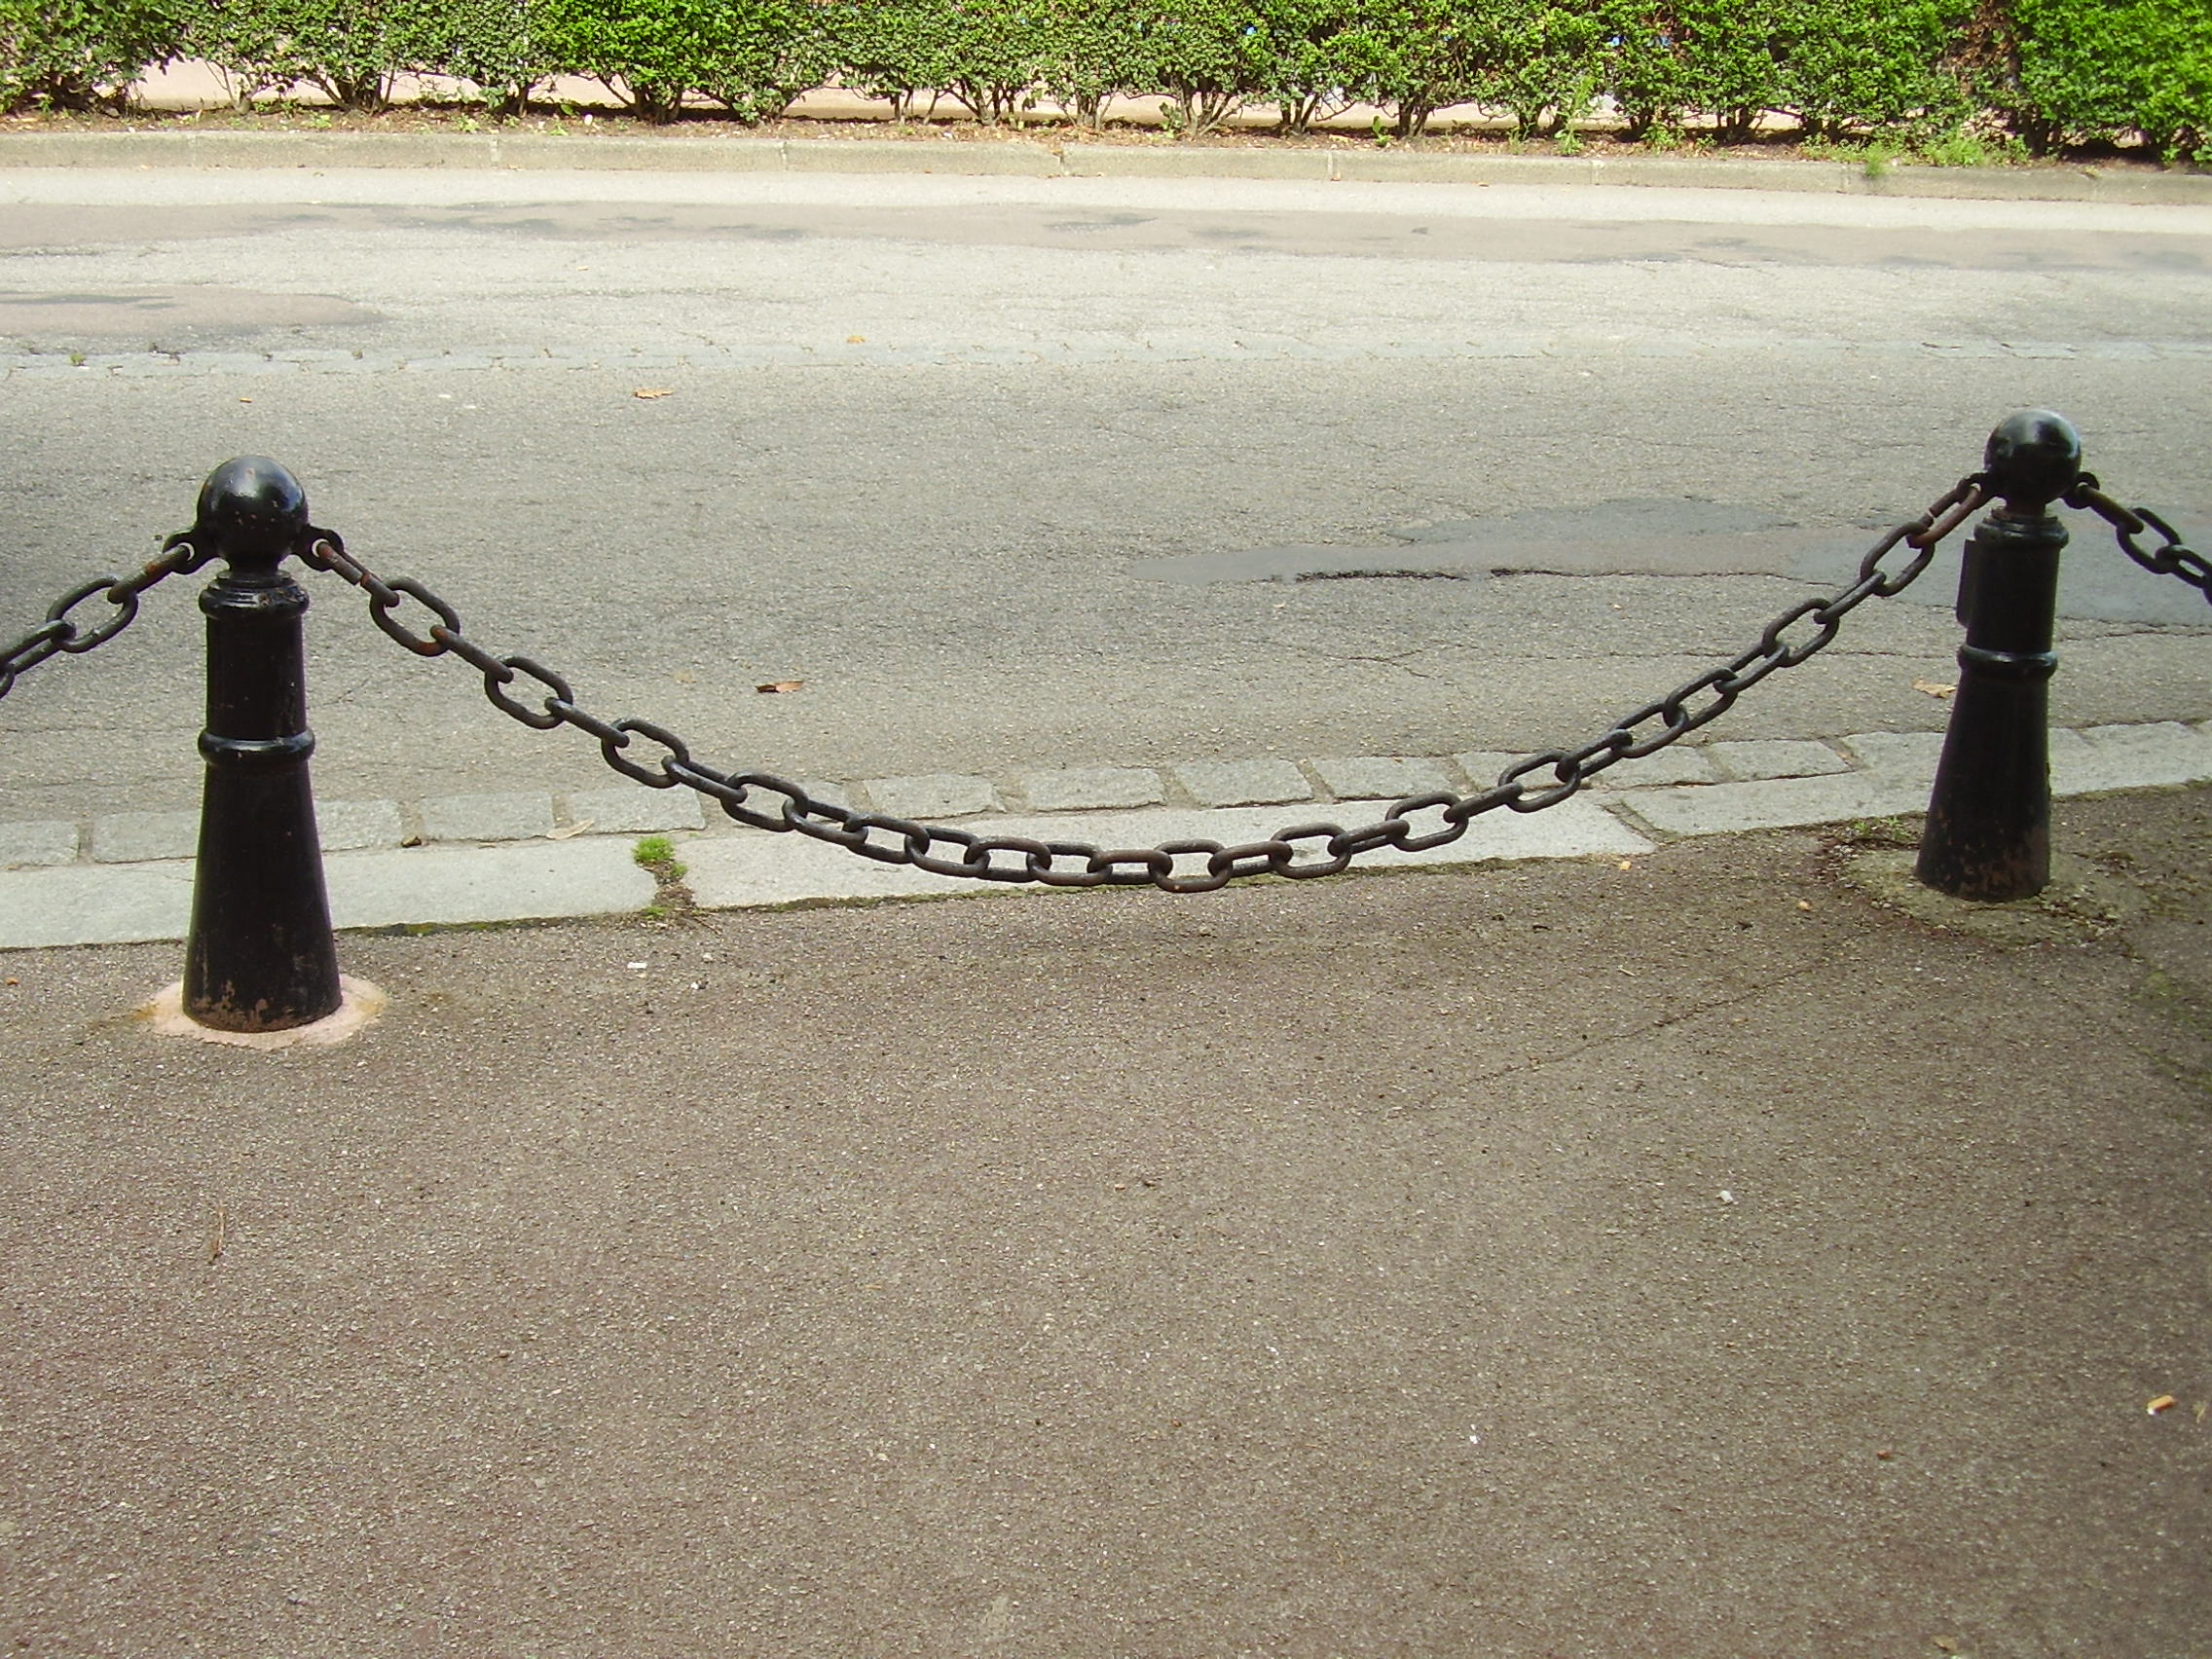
(671, 901)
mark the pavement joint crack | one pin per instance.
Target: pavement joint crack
(1662, 1022)
(1390, 660)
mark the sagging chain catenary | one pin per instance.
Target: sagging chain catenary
(1298, 852)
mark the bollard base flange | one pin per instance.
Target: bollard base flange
(360, 1003)
(2080, 901)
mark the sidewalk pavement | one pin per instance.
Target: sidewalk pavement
(456, 859)
(1680, 1252)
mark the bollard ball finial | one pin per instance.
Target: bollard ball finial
(253, 508)
(2033, 457)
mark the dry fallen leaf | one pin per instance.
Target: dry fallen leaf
(1933, 687)
(780, 685)
(2164, 1403)
(651, 391)
(856, 339)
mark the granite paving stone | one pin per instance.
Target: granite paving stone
(1776, 804)
(487, 817)
(1379, 777)
(136, 837)
(350, 826)
(1773, 757)
(1243, 782)
(1903, 754)
(86, 905)
(47, 841)
(1574, 828)
(1081, 788)
(514, 883)
(2141, 756)
(2076, 769)
(935, 795)
(636, 810)
(1680, 764)
(1484, 765)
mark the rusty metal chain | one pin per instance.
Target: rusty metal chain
(2169, 559)
(1298, 852)
(61, 635)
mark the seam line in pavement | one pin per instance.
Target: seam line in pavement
(525, 857)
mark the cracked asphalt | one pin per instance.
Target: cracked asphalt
(1022, 473)
(1680, 1255)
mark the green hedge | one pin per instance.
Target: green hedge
(1895, 65)
(752, 59)
(1413, 57)
(1836, 66)
(351, 50)
(80, 53)
(1312, 68)
(2056, 73)
(2077, 71)
(987, 56)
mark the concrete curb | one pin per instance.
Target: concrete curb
(1052, 158)
(834, 353)
(533, 876)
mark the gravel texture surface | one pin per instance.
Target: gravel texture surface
(1680, 1255)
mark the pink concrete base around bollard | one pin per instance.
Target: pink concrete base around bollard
(360, 1003)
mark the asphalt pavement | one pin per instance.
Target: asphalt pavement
(1020, 472)
(1684, 1253)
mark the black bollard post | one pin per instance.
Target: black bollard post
(260, 956)
(1988, 834)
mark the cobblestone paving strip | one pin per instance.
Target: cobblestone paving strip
(127, 877)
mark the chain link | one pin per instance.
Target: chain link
(1300, 853)
(61, 635)
(2168, 559)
